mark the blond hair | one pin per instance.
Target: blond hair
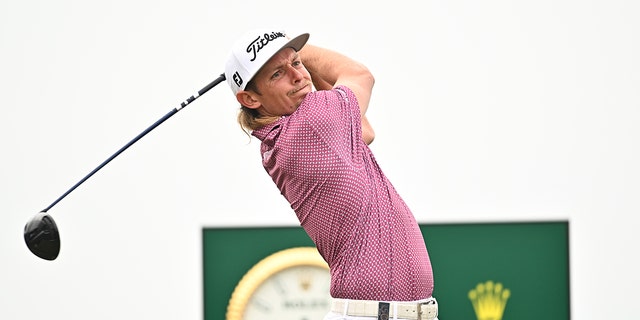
(250, 119)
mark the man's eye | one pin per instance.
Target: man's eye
(276, 75)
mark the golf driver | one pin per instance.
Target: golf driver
(41, 232)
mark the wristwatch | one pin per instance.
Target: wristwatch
(288, 284)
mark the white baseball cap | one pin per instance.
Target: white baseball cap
(253, 50)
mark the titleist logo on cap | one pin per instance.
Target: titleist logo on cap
(260, 42)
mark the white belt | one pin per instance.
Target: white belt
(424, 310)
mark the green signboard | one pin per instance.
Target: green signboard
(481, 270)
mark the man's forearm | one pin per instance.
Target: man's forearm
(327, 66)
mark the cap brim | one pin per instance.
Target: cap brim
(298, 42)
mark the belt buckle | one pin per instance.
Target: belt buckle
(383, 310)
(427, 310)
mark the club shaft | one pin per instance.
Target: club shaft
(139, 136)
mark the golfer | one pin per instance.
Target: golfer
(307, 106)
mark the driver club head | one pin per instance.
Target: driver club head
(42, 237)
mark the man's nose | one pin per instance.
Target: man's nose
(296, 74)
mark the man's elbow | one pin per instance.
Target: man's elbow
(368, 135)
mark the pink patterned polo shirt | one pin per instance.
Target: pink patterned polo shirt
(360, 225)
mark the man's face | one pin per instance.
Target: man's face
(283, 83)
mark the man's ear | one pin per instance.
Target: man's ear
(247, 99)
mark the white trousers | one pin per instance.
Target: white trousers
(343, 316)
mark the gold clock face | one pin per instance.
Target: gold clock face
(292, 284)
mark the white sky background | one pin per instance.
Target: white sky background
(484, 111)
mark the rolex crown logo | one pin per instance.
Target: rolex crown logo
(489, 300)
